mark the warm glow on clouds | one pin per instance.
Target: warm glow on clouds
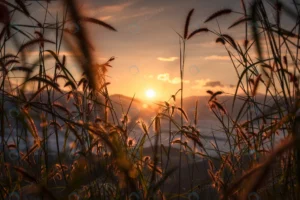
(166, 78)
(146, 46)
(202, 85)
(105, 18)
(215, 57)
(207, 83)
(169, 59)
(117, 7)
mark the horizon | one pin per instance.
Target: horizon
(148, 59)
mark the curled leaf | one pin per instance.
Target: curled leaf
(187, 23)
(197, 31)
(218, 14)
(99, 22)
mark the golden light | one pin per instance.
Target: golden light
(150, 93)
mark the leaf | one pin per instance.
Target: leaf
(187, 23)
(11, 62)
(196, 113)
(209, 92)
(155, 168)
(260, 172)
(30, 151)
(61, 107)
(157, 127)
(162, 180)
(214, 95)
(99, 22)
(36, 93)
(244, 7)
(174, 97)
(8, 56)
(32, 42)
(242, 75)
(104, 86)
(46, 81)
(220, 40)
(20, 31)
(76, 135)
(220, 106)
(230, 40)
(22, 5)
(256, 36)
(144, 127)
(4, 14)
(4, 30)
(20, 68)
(70, 83)
(172, 112)
(167, 104)
(218, 14)
(55, 123)
(25, 174)
(61, 64)
(164, 149)
(255, 86)
(285, 32)
(197, 31)
(195, 139)
(239, 21)
(183, 112)
(176, 142)
(30, 125)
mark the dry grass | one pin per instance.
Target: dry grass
(99, 158)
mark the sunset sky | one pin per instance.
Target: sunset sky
(146, 45)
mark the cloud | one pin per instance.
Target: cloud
(116, 7)
(104, 18)
(163, 77)
(109, 11)
(169, 59)
(177, 80)
(213, 84)
(204, 84)
(144, 15)
(215, 57)
(200, 83)
(166, 78)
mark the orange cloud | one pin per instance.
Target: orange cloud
(166, 78)
(215, 57)
(169, 59)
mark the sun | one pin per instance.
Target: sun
(150, 93)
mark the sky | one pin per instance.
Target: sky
(146, 45)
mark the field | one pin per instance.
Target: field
(64, 138)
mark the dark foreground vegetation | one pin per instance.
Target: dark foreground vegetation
(98, 158)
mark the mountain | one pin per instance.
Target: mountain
(137, 110)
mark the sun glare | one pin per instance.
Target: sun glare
(150, 93)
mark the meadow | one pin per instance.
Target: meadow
(68, 139)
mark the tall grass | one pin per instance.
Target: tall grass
(274, 72)
(100, 160)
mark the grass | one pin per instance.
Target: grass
(99, 158)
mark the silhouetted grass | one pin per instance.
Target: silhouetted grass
(100, 159)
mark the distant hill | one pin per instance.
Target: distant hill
(189, 104)
(136, 108)
(138, 111)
